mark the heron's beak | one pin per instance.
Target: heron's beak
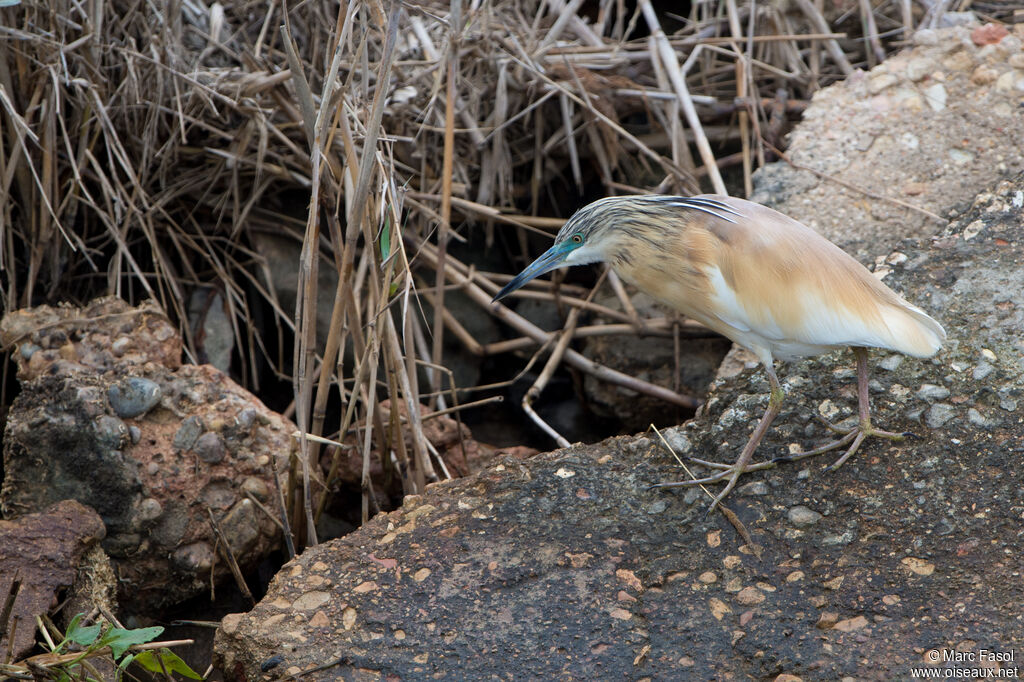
(552, 259)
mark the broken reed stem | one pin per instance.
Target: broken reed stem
(554, 360)
(229, 557)
(447, 163)
(671, 64)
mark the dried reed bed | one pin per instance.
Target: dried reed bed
(143, 143)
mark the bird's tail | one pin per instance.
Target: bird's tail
(913, 331)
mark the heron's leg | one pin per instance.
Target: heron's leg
(742, 465)
(859, 433)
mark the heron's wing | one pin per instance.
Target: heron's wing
(773, 276)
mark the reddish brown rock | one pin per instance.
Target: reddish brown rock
(42, 550)
(110, 417)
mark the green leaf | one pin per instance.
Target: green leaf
(83, 636)
(385, 241)
(151, 660)
(120, 639)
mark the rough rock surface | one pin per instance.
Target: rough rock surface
(932, 127)
(43, 551)
(565, 565)
(108, 416)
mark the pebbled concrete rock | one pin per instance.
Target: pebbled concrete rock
(145, 441)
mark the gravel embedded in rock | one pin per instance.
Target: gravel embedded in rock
(188, 433)
(134, 397)
(754, 488)
(210, 448)
(801, 516)
(932, 392)
(938, 414)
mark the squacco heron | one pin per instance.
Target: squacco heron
(765, 281)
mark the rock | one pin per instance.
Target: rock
(43, 550)
(801, 517)
(528, 561)
(989, 34)
(957, 104)
(213, 331)
(931, 392)
(197, 437)
(938, 414)
(133, 397)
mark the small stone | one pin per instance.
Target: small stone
(256, 487)
(732, 561)
(801, 516)
(196, 557)
(936, 96)
(918, 566)
(988, 355)
(976, 417)
(1016, 60)
(210, 448)
(891, 599)
(795, 576)
(241, 527)
(1007, 81)
(982, 370)
(984, 74)
(135, 433)
(749, 596)
(311, 600)
(826, 620)
(150, 510)
(187, 434)
(708, 577)
(932, 392)
(880, 82)
(786, 677)
(842, 539)
(890, 363)
(134, 397)
(851, 624)
(828, 409)
(111, 432)
(913, 189)
(754, 488)
(938, 414)
(421, 575)
(951, 19)
(678, 441)
(926, 36)
(718, 608)
(919, 67)
(989, 34)
(1008, 404)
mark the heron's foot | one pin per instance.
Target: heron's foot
(728, 473)
(850, 438)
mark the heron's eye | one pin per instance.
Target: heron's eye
(577, 238)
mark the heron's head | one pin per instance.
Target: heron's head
(587, 237)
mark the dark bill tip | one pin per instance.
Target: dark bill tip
(552, 259)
